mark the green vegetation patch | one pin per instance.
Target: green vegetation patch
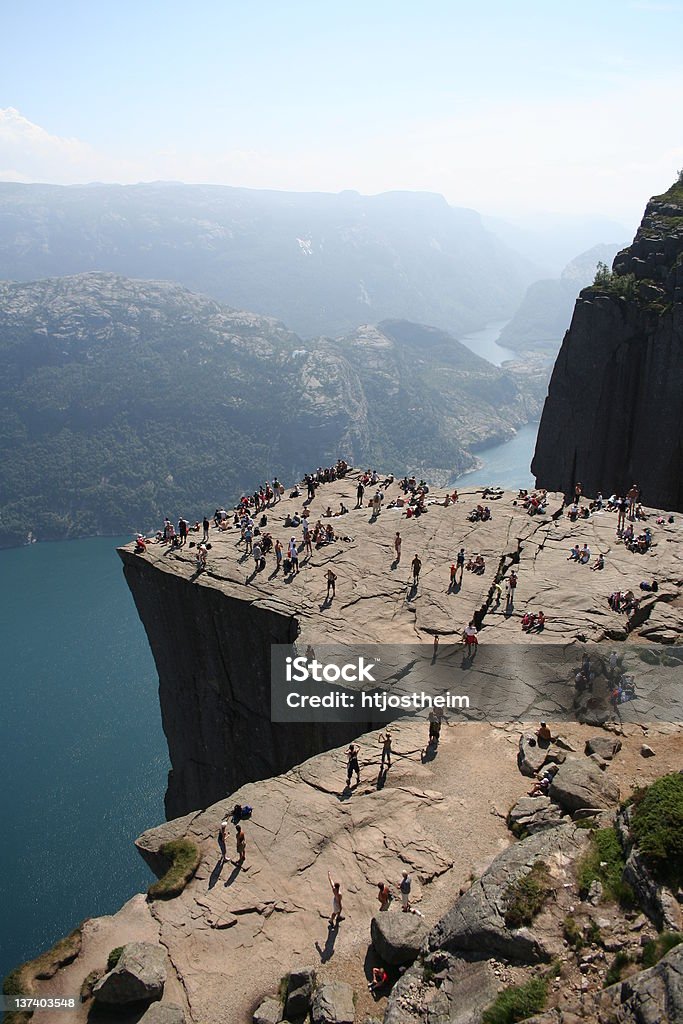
(183, 856)
(572, 933)
(620, 285)
(525, 898)
(114, 958)
(604, 863)
(517, 1003)
(657, 827)
(616, 969)
(654, 950)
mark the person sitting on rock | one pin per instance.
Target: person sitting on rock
(379, 978)
(574, 554)
(528, 621)
(540, 622)
(599, 564)
(584, 555)
(543, 735)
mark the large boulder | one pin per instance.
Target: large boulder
(580, 784)
(652, 996)
(163, 1013)
(442, 990)
(605, 746)
(300, 985)
(268, 1012)
(476, 922)
(138, 977)
(533, 814)
(333, 1004)
(532, 756)
(397, 937)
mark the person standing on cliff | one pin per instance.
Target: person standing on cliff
(416, 565)
(397, 547)
(223, 838)
(632, 496)
(352, 764)
(460, 563)
(294, 554)
(278, 555)
(512, 586)
(205, 526)
(335, 916)
(331, 578)
(385, 740)
(241, 844)
(360, 491)
(405, 886)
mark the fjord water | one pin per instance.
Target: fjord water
(484, 343)
(83, 758)
(82, 753)
(505, 465)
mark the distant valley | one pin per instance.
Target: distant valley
(125, 400)
(322, 263)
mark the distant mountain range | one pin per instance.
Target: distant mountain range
(322, 263)
(546, 309)
(123, 400)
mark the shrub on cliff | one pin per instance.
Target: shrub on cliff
(517, 1003)
(606, 280)
(604, 863)
(657, 827)
(525, 897)
(183, 856)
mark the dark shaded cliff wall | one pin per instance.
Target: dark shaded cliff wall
(614, 411)
(212, 653)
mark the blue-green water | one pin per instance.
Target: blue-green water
(82, 754)
(505, 465)
(83, 759)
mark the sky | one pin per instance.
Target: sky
(514, 109)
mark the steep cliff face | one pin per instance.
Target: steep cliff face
(613, 415)
(212, 652)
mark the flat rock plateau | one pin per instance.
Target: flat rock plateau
(441, 814)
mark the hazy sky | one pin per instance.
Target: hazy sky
(507, 107)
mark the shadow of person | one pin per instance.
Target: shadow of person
(394, 565)
(325, 952)
(382, 777)
(216, 873)
(233, 875)
(429, 753)
(413, 590)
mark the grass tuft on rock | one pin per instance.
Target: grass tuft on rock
(184, 857)
(604, 863)
(114, 958)
(525, 897)
(657, 827)
(615, 971)
(654, 950)
(517, 1003)
(572, 933)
